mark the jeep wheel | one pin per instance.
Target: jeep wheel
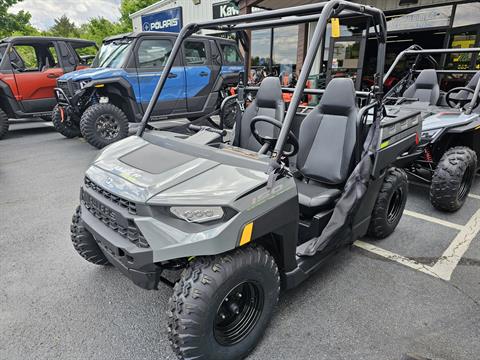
(390, 204)
(453, 178)
(3, 123)
(67, 127)
(103, 124)
(84, 242)
(222, 304)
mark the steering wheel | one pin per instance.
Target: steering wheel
(268, 143)
(454, 102)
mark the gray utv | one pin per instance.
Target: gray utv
(244, 220)
(446, 158)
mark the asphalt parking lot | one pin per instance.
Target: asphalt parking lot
(416, 292)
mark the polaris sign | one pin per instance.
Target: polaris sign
(168, 20)
(225, 9)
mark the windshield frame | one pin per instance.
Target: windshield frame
(113, 54)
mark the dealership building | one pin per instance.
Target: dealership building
(428, 23)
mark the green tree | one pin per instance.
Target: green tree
(64, 27)
(13, 23)
(99, 28)
(128, 7)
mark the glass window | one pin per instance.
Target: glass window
(112, 54)
(230, 54)
(195, 53)
(285, 42)
(28, 58)
(153, 53)
(3, 48)
(260, 52)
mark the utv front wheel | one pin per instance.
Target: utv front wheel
(221, 305)
(3, 123)
(453, 178)
(390, 204)
(64, 126)
(84, 242)
(103, 124)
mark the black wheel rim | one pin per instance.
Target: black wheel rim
(107, 127)
(238, 313)
(395, 206)
(465, 184)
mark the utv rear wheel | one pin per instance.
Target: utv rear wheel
(453, 178)
(222, 304)
(67, 127)
(390, 204)
(3, 124)
(103, 124)
(229, 113)
(84, 242)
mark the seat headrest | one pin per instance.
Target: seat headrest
(338, 98)
(269, 94)
(427, 79)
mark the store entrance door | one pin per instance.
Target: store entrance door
(345, 58)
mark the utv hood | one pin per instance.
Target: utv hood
(143, 172)
(92, 74)
(446, 120)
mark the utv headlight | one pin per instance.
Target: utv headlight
(197, 214)
(430, 134)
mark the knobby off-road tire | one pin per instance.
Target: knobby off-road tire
(84, 242)
(453, 178)
(103, 124)
(229, 113)
(390, 204)
(67, 128)
(3, 123)
(206, 299)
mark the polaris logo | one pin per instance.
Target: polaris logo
(160, 25)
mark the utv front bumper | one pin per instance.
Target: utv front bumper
(135, 262)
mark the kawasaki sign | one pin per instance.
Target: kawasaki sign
(225, 9)
(168, 20)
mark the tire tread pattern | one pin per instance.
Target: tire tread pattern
(448, 176)
(198, 280)
(4, 124)
(69, 132)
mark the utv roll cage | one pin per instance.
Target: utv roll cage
(419, 52)
(320, 12)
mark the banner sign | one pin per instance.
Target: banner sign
(168, 20)
(225, 9)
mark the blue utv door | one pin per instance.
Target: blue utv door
(151, 56)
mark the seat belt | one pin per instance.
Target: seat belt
(239, 115)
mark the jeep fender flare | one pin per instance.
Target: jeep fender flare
(120, 87)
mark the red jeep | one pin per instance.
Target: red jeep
(29, 68)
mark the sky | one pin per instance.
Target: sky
(79, 11)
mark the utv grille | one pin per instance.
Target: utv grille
(131, 232)
(126, 204)
(62, 84)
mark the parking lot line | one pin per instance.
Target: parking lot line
(433, 220)
(446, 264)
(451, 257)
(474, 196)
(395, 257)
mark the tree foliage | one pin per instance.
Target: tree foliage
(95, 29)
(12, 23)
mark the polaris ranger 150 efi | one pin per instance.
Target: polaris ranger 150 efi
(241, 220)
(446, 157)
(99, 103)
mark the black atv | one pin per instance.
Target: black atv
(446, 157)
